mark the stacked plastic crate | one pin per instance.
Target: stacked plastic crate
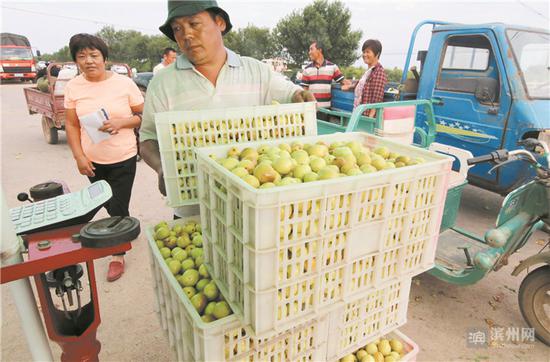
(226, 339)
(312, 272)
(344, 248)
(180, 132)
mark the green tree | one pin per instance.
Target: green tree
(62, 55)
(328, 22)
(352, 72)
(125, 46)
(252, 41)
(394, 75)
(133, 48)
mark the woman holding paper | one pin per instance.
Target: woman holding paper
(102, 110)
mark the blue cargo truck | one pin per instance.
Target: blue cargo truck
(490, 88)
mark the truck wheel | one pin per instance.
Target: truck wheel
(50, 133)
(534, 302)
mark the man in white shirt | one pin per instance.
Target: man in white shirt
(206, 76)
(168, 57)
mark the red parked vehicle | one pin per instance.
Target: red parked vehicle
(16, 58)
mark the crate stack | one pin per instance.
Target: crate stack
(312, 271)
(180, 132)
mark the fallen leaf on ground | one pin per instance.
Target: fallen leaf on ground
(493, 305)
(481, 358)
(489, 322)
(540, 242)
(418, 299)
(498, 298)
(416, 282)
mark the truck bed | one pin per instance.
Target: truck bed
(46, 104)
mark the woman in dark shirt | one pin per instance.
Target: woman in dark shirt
(370, 88)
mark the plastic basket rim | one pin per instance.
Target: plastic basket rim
(201, 151)
(190, 115)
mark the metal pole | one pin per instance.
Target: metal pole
(10, 248)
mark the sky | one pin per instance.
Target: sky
(50, 24)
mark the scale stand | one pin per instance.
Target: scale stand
(54, 258)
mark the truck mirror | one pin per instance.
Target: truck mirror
(38, 54)
(486, 90)
(421, 57)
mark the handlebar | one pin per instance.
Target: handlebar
(498, 155)
(501, 157)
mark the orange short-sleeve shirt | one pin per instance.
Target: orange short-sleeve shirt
(116, 95)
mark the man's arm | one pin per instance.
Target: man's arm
(338, 76)
(149, 151)
(283, 90)
(149, 147)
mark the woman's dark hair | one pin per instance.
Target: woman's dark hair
(82, 41)
(373, 45)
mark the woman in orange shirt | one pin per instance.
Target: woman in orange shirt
(112, 159)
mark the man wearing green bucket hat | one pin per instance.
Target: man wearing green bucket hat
(206, 76)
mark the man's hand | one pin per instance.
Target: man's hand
(162, 186)
(346, 84)
(302, 96)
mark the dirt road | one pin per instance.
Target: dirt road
(439, 316)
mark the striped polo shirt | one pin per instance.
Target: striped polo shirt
(318, 81)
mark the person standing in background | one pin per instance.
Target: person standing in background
(112, 159)
(370, 88)
(168, 57)
(318, 75)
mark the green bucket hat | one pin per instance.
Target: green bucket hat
(191, 7)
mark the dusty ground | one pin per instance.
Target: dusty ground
(439, 317)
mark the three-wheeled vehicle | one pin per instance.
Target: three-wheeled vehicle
(463, 258)
(50, 104)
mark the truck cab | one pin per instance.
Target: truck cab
(16, 58)
(490, 88)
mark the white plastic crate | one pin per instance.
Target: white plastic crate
(368, 317)
(226, 339)
(410, 348)
(179, 132)
(286, 254)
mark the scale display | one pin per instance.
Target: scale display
(63, 210)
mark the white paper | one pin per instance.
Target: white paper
(92, 122)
